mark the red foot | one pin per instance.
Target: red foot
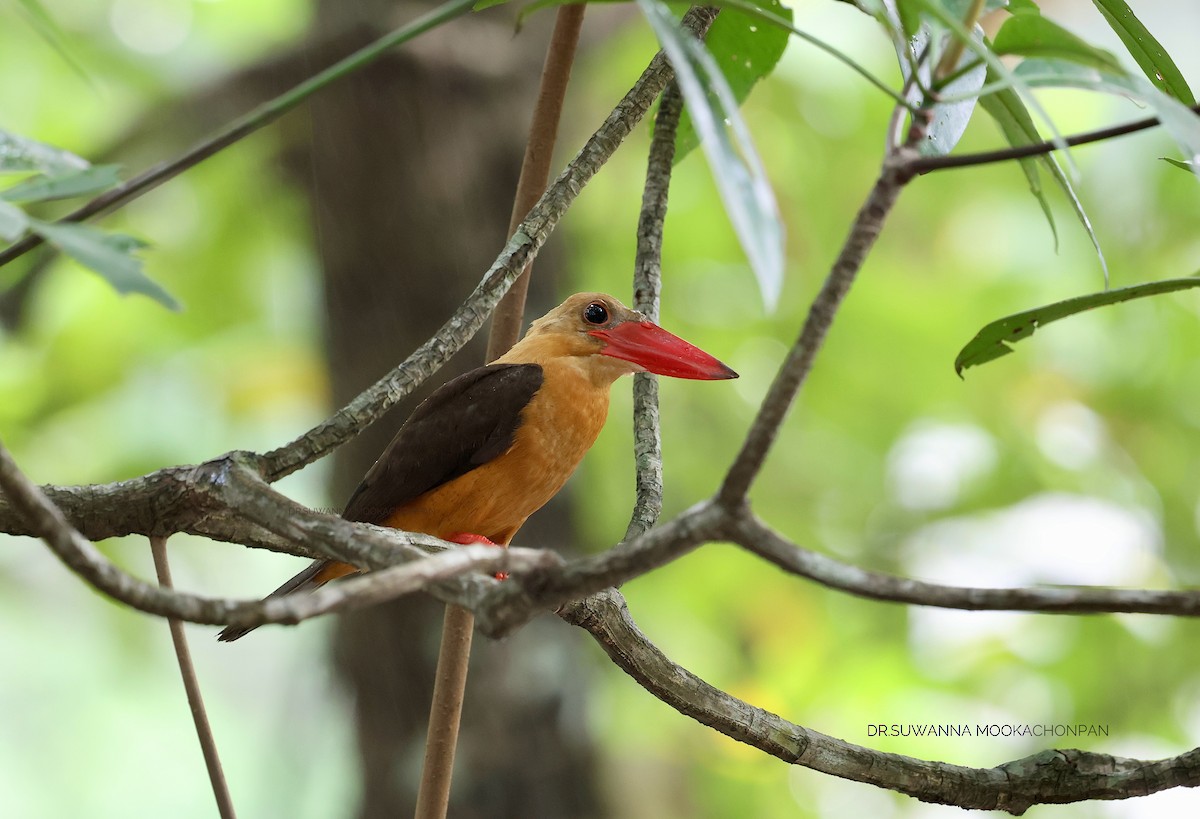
(466, 539)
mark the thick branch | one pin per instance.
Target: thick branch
(1048, 777)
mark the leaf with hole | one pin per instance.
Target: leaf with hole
(109, 254)
(993, 340)
(735, 165)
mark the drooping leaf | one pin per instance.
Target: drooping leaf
(1031, 35)
(747, 50)
(738, 173)
(21, 154)
(1177, 119)
(1009, 112)
(75, 183)
(1149, 54)
(993, 340)
(109, 254)
(13, 222)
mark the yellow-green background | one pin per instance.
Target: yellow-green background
(1077, 459)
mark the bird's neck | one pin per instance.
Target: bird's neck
(576, 359)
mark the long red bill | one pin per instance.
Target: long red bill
(654, 349)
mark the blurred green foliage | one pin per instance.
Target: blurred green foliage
(1072, 460)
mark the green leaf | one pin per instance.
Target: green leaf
(747, 50)
(109, 254)
(950, 119)
(20, 154)
(1179, 121)
(908, 14)
(993, 340)
(1031, 35)
(1009, 78)
(735, 165)
(75, 183)
(1006, 107)
(13, 222)
(1149, 54)
(1022, 7)
(1179, 163)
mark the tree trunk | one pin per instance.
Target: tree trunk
(412, 170)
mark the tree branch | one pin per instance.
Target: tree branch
(896, 173)
(647, 295)
(1047, 777)
(926, 164)
(755, 536)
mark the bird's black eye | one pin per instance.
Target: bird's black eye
(595, 313)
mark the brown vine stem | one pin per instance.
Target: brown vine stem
(450, 681)
(208, 743)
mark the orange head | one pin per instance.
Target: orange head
(617, 340)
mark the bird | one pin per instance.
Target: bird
(489, 448)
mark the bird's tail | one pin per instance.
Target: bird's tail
(318, 573)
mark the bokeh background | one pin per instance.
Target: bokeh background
(1072, 461)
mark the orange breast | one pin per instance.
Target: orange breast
(557, 429)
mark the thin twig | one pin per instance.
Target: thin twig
(242, 127)
(865, 230)
(647, 296)
(926, 164)
(191, 685)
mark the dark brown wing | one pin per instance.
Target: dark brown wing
(467, 422)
